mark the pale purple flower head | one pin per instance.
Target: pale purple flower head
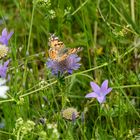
(66, 66)
(5, 36)
(3, 69)
(99, 92)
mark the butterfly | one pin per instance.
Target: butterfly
(3, 51)
(58, 51)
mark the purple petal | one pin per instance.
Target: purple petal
(5, 36)
(1, 39)
(3, 69)
(73, 117)
(72, 62)
(10, 34)
(4, 32)
(3, 74)
(6, 63)
(70, 71)
(67, 65)
(107, 91)
(91, 95)
(95, 87)
(104, 85)
(77, 59)
(101, 99)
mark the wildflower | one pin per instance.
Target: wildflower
(3, 69)
(3, 51)
(42, 135)
(53, 131)
(5, 36)
(73, 117)
(65, 66)
(20, 101)
(52, 14)
(99, 92)
(70, 113)
(3, 88)
(42, 121)
(24, 127)
(19, 122)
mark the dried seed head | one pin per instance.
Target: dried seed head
(68, 113)
(3, 51)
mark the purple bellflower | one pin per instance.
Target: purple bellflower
(99, 92)
(3, 69)
(5, 36)
(65, 66)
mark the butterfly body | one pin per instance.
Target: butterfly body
(58, 51)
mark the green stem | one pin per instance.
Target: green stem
(133, 10)
(18, 133)
(37, 89)
(79, 7)
(27, 50)
(4, 132)
(95, 42)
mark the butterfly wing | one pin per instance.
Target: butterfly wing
(65, 52)
(52, 54)
(58, 51)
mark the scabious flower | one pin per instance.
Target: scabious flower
(66, 66)
(5, 36)
(3, 69)
(3, 88)
(3, 51)
(99, 92)
(70, 114)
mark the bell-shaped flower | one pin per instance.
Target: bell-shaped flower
(99, 92)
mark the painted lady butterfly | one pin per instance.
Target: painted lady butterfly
(58, 51)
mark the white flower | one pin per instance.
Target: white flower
(3, 88)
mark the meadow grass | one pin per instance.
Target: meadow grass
(108, 31)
